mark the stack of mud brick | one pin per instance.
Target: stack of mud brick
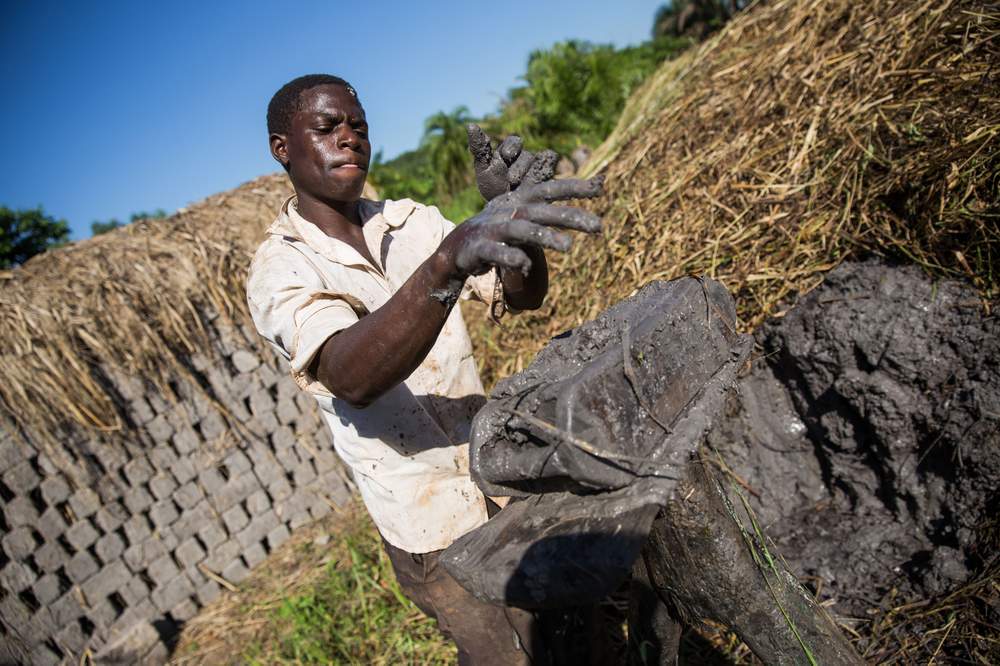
(109, 544)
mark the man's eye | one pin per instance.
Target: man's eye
(324, 128)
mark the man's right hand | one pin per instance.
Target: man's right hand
(522, 218)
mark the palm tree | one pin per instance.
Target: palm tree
(446, 143)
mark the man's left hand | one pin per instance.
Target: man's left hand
(503, 170)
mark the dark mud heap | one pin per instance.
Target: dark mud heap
(869, 432)
(861, 446)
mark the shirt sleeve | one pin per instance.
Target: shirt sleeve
(295, 311)
(486, 288)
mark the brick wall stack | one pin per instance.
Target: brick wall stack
(110, 543)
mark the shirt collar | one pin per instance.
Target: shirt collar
(377, 216)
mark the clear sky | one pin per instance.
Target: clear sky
(117, 107)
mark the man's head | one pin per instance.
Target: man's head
(318, 133)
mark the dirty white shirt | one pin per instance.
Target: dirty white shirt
(408, 450)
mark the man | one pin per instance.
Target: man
(359, 297)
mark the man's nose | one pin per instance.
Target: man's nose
(347, 138)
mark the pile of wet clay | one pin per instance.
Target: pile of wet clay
(868, 434)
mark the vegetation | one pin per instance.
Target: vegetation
(572, 95)
(97, 227)
(25, 233)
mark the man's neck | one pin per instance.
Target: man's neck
(338, 219)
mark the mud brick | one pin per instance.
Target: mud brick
(184, 611)
(208, 592)
(109, 579)
(164, 513)
(160, 429)
(254, 555)
(109, 547)
(193, 520)
(235, 491)
(286, 388)
(238, 410)
(237, 462)
(137, 500)
(42, 655)
(167, 538)
(245, 361)
(17, 576)
(286, 411)
(81, 534)
(258, 529)
(162, 457)
(171, 593)
(189, 553)
(288, 458)
(136, 529)
(46, 589)
(267, 468)
(325, 461)
(261, 403)
(268, 376)
(266, 422)
(54, 490)
(235, 519)
(139, 556)
(306, 403)
(218, 380)
(81, 567)
(241, 386)
(280, 490)
(299, 519)
(185, 440)
(138, 471)
(212, 426)
(188, 495)
(111, 456)
(140, 412)
(303, 474)
(283, 438)
(102, 613)
(111, 516)
(19, 543)
(13, 612)
(49, 556)
(222, 555)
(22, 478)
(20, 511)
(71, 636)
(129, 387)
(161, 485)
(84, 502)
(211, 534)
(162, 570)
(318, 509)
(258, 503)
(277, 536)
(183, 470)
(66, 609)
(235, 572)
(134, 590)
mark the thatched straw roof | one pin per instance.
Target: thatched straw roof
(805, 132)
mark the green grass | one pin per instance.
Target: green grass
(334, 602)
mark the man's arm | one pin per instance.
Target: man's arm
(363, 361)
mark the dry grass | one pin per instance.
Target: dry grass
(803, 134)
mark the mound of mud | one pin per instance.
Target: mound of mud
(867, 434)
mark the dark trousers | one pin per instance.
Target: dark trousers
(486, 635)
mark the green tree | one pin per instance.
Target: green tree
(446, 143)
(694, 18)
(97, 227)
(25, 233)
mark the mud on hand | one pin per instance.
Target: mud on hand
(506, 168)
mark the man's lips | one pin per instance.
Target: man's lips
(349, 165)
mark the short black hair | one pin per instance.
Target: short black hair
(285, 102)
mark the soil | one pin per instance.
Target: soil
(869, 433)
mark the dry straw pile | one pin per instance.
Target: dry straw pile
(804, 133)
(137, 300)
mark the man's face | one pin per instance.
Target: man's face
(327, 149)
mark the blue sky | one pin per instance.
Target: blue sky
(117, 107)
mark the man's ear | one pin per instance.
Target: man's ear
(279, 148)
